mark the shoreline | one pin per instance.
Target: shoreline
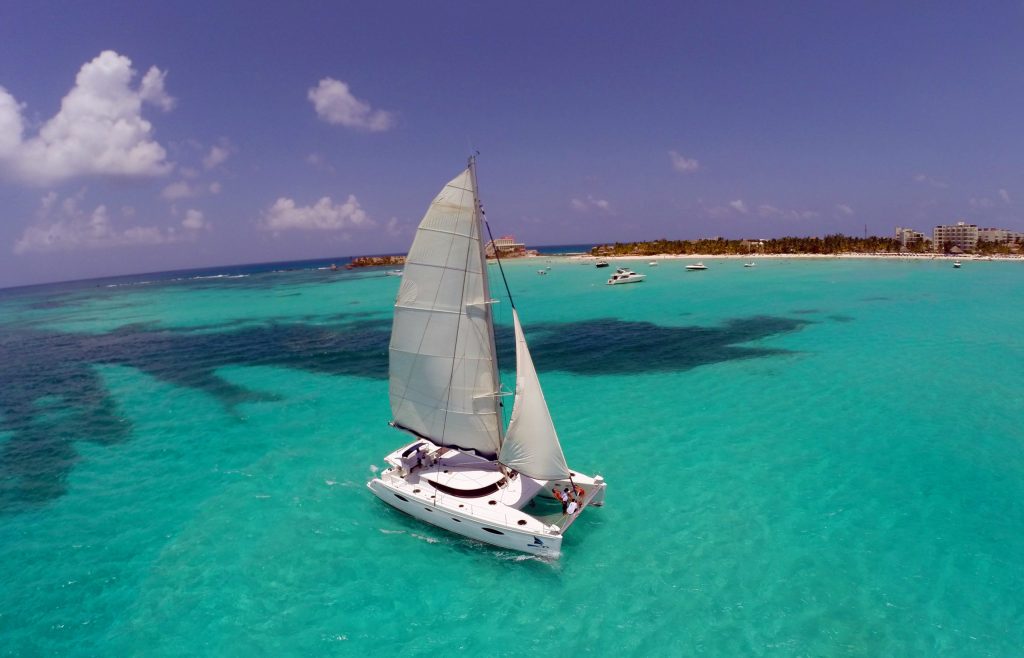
(755, 257)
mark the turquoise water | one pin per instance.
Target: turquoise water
(806, 458)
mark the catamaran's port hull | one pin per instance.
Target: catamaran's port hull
(448, 516)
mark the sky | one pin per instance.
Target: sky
(141, 137)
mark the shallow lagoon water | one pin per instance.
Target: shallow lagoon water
(809, 457)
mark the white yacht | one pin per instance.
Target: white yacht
(464, 470)
(625, 275)
(694, 267)
(653, 263)
(956, 264)
(601, 263)
(751, 264)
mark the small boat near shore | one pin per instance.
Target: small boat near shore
(749, 264)
(956, 264)
(696, 267)
(625, 275)
(601, 263)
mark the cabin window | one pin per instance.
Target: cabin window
(456, 520)
(493, 531)
(522, 521)
(415, 490)
(492, 502)
(428, 509)
(402, 498)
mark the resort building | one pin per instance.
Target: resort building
(506, 247)
(909, 238)
(999, 235)
(961, 235)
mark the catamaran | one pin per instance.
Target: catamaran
(463, 470)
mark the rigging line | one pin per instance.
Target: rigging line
(501, 269)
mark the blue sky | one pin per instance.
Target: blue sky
(142, 136)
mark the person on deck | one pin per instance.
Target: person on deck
(560, 498)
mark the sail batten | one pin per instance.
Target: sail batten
(442, 355)
(531, 444)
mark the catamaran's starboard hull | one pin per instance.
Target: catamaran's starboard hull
(444, 517)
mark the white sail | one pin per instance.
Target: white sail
(443, 370)
(531, 444)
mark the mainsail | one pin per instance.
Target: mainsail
(531, 444)
(443, 369)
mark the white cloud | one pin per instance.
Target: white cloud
(194, 220)
(738, 206)
(324, 215)
(217, 155)
(1004, 195)
(394, 229)
(99, 129)
(844, 209)
(683, 164)
(215, 187)
(590, 203)
(152, 89)
(318, 161)
(928, 180)
(770, 211)
(334, 103)
(179, 190)
(62, 225)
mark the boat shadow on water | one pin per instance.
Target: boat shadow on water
(43, 368)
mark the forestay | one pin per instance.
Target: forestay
(531, 444)
(443, 370)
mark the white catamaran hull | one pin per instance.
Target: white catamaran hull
(492, 516)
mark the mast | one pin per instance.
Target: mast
(480, 222)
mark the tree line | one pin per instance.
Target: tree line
(830, 244)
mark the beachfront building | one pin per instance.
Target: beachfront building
(961, 234)
(910, 239)
(999, 236)
(506, 247)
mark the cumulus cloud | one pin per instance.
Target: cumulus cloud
(771, 212)
(928, 180)
(194, 220)
(218, 155)
(335, 103)
(1004, 195)
(179, 190)
(844, 209)
(683, 164)
(185, 190)
(738, 206)
(64, 225)
(590, 203)
(324, 215)
(99, 129)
